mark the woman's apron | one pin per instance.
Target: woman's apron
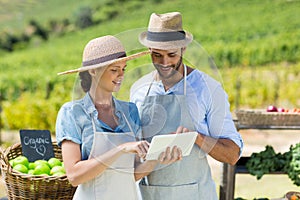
(187, 179)
(117, 181)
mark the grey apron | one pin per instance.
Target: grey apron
(117, 181)
(188, 179)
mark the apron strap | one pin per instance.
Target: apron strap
(128, 124)
(93, 124)
(184, 79)
(154, 74)
(126, 120)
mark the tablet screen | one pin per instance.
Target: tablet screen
(159, 143)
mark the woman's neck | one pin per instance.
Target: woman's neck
(106, 108)
(101, 98)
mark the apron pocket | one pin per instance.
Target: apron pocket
(179, 192)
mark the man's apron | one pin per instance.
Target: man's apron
(117, 181)
(187, 179)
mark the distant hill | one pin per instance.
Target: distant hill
(229, 30)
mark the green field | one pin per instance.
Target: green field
(254, 45)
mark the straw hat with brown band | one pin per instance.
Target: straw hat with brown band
(101, 52)
(165, 32)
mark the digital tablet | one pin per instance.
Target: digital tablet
(159, 143)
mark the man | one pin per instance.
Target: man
(179, 98)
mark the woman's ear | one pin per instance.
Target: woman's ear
(92, 72)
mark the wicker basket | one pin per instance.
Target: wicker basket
(25, 186)
(258, 117)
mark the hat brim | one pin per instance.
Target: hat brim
(82, 69)
(165, 45)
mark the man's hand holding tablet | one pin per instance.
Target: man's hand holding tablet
(166, 143)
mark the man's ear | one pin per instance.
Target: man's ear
(183, 50)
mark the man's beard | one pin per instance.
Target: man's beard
(174, 67)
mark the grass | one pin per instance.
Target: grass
(15, 15)
(220, 24)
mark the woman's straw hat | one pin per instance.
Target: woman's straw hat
(165, 32)
(101, 52)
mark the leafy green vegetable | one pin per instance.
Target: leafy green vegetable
(269, 161)
(293, 168)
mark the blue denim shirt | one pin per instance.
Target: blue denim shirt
(74, 122)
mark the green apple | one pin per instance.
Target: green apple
(41, 169)
(31, 165)
(38, 162)
(21, 160)
(11, 162)
(54, 162)
(59, 174)
(57, 169)
(21, 168)
(31, 172)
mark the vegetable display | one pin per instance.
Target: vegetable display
(293, 168)
(269, 161)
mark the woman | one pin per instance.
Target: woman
(98, 133)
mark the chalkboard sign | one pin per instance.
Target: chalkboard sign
(36, 144)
